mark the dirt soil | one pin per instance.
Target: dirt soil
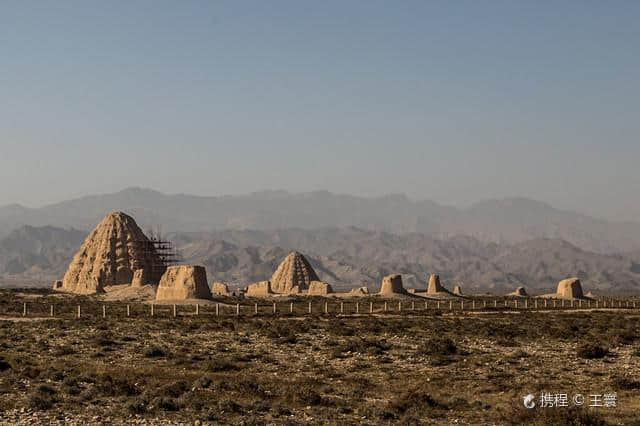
(420, 367)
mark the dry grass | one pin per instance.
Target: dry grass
(424, 368)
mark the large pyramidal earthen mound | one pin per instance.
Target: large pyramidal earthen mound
(112, 254)
(294, 275)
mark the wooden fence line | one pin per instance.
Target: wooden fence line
(34, 309)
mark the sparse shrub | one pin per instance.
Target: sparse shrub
(625, 383)
(31, 372)
(45, 389)
(228, 406)
(104, 340)
(571, 416)
(41, 398)
(203, 382)
(39, 401)
(4, 365)
(155, 352)
(117, 386)
(64, 350)
(592, 351)
(415, 399)
(626, 337)
(219, 364)
(167, 404)
(361, 345)
(174, 389)
(438, 346)
(137, 406)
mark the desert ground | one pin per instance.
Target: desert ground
(420, 367)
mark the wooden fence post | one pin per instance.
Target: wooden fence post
(342, 307)
(326, 307)
(385, 306)
(24, 309)
(462, 305)
(237, 309)
(413, 305)
(450, 305)
(370, 307)
(197, 309)
(310, 308)
(255, 308)
(104, 311)
(217, 309)
(399, 306)
(275, 308)
(128, 310)
(291, 308)
(175, 311)
(52, 311)
(78, 311)
(152, 309)
(357, 307)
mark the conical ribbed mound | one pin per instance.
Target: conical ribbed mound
(293, 275)
(110, 255)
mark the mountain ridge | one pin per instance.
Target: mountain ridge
(350, 257)
(508, 220)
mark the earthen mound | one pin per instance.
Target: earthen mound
(111, 255)
(392, 284)
(457, 290)
(259, 289)
(520, 292)
(143, 277)
(183, 282)
(434, 286)
(220, 288)
(319, 288)
(570, 289)
(293, 275)
(359, 291)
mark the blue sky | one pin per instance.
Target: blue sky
(454, 101)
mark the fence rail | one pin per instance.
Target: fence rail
(297, 308)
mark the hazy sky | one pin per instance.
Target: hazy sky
(454, 101)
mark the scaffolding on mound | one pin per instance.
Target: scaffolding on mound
(160, 254)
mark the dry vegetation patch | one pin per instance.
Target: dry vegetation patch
(423, 368)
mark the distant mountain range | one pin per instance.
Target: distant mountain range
(348, 257)
(508, 221)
